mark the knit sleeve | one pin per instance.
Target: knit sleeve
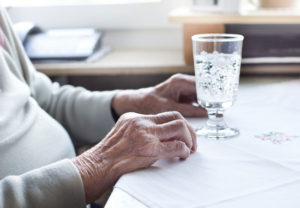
(56, 185)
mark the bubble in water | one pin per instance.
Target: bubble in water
(217, 76)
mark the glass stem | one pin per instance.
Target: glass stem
(216, 119)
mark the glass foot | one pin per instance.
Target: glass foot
(217, 133)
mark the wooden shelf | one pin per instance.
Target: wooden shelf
(138, 61)
(196, 22)
(164, 61)
(123, 61)
(184, 15)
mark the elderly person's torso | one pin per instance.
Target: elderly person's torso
(21, 118)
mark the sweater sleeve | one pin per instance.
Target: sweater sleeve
(55, 185)
(86, 115)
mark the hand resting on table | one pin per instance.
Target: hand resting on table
(136, 142)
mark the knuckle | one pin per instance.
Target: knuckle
(148, 97)
(140, 125)
(173, 115)
(127, 116)
(176, 77)
(176, 114)
(162, 115)
(130, 117)
(180, 116)
(132, 122)
(122, 117)
(181, 124)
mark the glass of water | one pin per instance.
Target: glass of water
(217, 63)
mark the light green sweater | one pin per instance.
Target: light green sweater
(36, 119)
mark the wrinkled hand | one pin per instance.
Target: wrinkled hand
(136, 142)
(178, 93)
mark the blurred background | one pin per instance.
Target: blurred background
(138, 43)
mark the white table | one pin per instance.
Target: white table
(260, 168)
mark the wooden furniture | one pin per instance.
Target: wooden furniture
(199, 22)
(142, 62)
(123, 62)
(277, 3)
(168, 61)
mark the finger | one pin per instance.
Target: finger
(174, 115)
(170, 149)
(194, 137)
(166, 117)
(186, 77)
(175, 130)
(189, 110)
(185, 88)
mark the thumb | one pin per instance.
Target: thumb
(189, 109)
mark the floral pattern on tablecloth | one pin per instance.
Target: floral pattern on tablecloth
(276, 137)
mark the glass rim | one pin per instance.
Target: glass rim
(217, 37)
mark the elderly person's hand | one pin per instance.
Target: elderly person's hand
(136, 142)
(178, 93)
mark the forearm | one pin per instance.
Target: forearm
(86, 115)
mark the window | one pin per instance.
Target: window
(109, 14)
(126, 23)
(64, 2)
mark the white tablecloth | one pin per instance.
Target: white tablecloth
(259, 168)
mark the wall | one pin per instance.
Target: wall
(125, 25)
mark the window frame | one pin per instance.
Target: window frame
(142, 25)
(22, 3)
(151, 14)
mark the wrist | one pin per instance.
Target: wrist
(120, 102)
(96, 171)
(129, 101)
